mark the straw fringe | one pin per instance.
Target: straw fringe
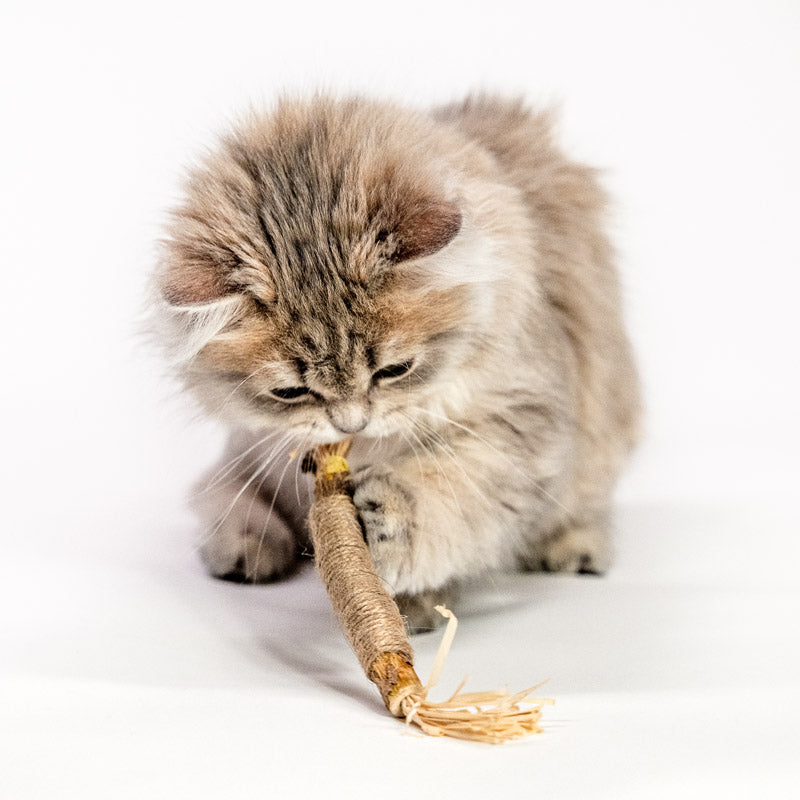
(491, 717)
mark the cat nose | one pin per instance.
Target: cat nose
(348, 417)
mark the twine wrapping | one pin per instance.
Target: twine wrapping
(375, 628)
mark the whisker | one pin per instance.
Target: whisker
(226, 468)
(435, 460)
(272, 504)
(266, 466)
(281, 447)
(299, 462)
(508, 461)
(448, 450)
(221, 521)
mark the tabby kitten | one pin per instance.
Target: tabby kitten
(436, 285)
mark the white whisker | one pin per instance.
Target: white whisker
(226, 468)
(262, 470)
(272, 504)
(448, 450)
(435, 461)
(537, 485)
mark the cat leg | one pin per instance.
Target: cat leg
(469, 502)
(427, 527)
(245, 540)
(387, 509)
(387, 513)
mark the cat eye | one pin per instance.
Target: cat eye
(290, 393)
(393, 371)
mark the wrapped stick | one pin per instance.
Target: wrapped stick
(375, 628)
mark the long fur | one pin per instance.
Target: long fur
(328, 245)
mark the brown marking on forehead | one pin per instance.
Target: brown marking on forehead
(310, 195)
(320, 318)
(335, 351)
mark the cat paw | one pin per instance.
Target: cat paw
(258, 549)
(386, 510)
(577, 550)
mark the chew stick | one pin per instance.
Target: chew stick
(375, 628)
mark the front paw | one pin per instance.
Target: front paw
(387, 510)
(250, 544)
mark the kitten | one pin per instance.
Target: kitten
(436, 285)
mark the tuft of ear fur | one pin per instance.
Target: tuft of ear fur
(193, 284)
(184, 330)
(424, 228)
(195, 265)
(192, 300)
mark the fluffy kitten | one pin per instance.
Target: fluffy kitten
(437, 285)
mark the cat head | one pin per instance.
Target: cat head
(323, 274)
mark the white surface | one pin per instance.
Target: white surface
(129, 674)
(125, 672)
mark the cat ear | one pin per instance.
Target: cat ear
(424, 228)
(198, 304)
(186, 283)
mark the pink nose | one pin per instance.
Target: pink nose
(348, 417)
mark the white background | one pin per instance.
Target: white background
(125, 672)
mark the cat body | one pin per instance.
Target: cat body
(439, 287)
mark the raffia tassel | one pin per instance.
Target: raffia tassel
(376, 631)
(491, 717)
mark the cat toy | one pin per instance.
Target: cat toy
(375, 629)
